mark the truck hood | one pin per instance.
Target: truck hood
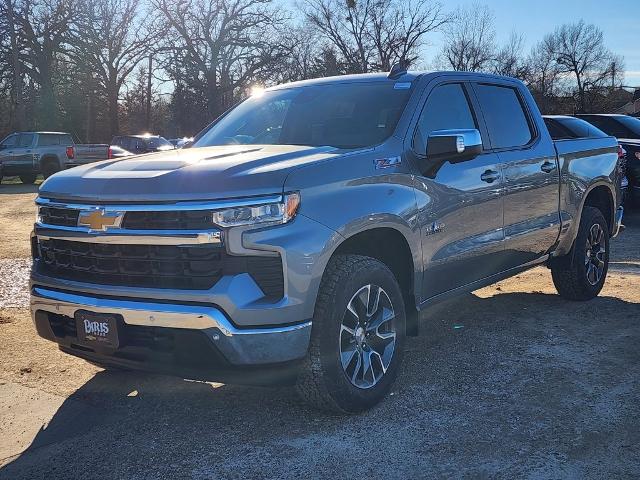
(208, 173)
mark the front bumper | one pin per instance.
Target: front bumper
(237, 346)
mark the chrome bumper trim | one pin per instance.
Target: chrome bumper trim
(240, 346)
(129, 237)
(618, 226)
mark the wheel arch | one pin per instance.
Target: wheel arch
(601, 197)
(50, 158)
(390, 246)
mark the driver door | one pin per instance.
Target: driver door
(6, 149)
(461, 205)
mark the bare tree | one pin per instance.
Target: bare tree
(10, 48)
(398, 30)
(223, 47)
(510, 60)
(580, 51)
(43, 28)
(371, 35)
(112, 37)
(469, 39)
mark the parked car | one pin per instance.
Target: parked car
(26, 154)
(117, 152)
(563, 127)
(139, 144)
(303, 233)
(180, 142)
(627, 130)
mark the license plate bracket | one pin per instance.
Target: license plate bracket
(97, 330)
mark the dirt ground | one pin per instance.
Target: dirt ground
(508, 382)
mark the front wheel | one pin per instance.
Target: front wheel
(581, 275)
(28, 178)
(357, 338)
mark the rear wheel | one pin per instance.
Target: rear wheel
(357, 338)
(28, 179)
(49, 168)
(581, 275)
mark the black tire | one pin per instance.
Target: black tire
(573, 276)
(28, 179)
(49, 167)
(323, 381)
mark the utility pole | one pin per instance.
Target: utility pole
(149, 93)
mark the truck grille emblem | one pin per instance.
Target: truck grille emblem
(99, 219)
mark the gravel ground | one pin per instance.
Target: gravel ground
(508, 382)
(14, 282)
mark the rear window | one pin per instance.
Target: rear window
(505, 116)
(563, 128)
(48, 139)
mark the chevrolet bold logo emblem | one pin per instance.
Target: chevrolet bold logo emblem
(99, 219)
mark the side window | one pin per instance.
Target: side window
(618, 130)
(26, 139)
(556, 130)
(446, 108)
(10, 141)
(505, 116)
(46, 139)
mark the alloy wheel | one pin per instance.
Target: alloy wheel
(367, 336)
(596, 252)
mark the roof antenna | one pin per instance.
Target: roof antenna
(398, 69)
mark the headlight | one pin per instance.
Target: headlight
(279, 212)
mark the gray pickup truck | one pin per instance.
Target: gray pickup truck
(26, 154)
(301, 236)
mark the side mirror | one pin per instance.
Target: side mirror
(453, 146)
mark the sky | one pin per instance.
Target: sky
(619, 21)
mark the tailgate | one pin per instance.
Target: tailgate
(86, 153)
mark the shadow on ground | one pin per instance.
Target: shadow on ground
(509, 386)
(13, 188)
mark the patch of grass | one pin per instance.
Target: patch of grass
(16, 180)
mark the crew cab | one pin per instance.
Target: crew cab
(301, 236)
(26, 154)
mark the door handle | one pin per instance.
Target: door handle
(490, 176)
(548, 167)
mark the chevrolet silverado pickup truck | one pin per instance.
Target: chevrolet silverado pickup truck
(26, 154)
(302, 234)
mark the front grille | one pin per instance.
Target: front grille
(64, 217)
(169, 220)
(155, 266)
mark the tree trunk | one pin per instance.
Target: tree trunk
(18, 104)
(48, 106)
(213, 95)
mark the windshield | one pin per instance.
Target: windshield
(631, 123)
(347, 115)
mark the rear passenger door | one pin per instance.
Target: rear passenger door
(460, 206)
(531, 176)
